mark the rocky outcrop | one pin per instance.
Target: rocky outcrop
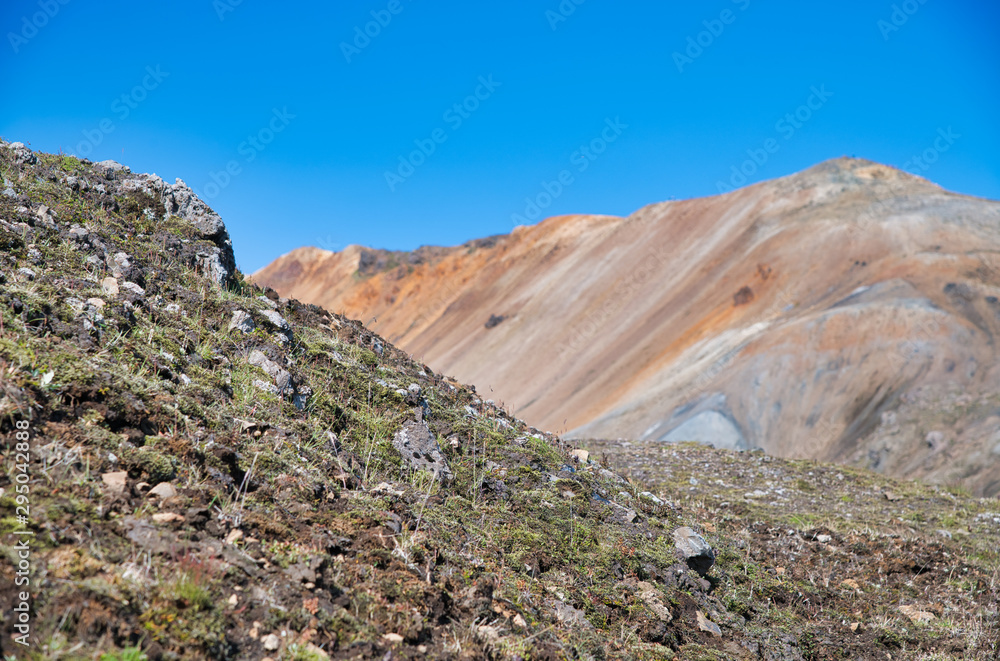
(841, 313)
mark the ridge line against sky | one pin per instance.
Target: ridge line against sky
(399, 123)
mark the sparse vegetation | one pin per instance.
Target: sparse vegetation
(294, 528)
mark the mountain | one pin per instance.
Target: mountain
(847, 313)
(197, 468)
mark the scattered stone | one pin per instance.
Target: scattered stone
(756, 493)
(282, 379)
(651, 596)
(891, 496)
(414, 388)
(855, 626)
(109, 286)
(163, 490)
(566, 613)
(234, 536)
(26, 272)
(392, 637)
(242, 321)
(419, 448)
(173, 308)
(580, 455)
(915, 614)
(167, 517)
(265, 386)
(276, 320)
(115, 481)
(233, 600)
(96, 302)
(824, 539)
(34, 256)
(706, 624)
(134, 288)
(22, 155)
(270, 642)
(694, 550)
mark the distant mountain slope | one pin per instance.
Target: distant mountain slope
(849, 313)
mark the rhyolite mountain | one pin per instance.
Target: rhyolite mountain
(847, 313)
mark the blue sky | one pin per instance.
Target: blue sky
(451, 121)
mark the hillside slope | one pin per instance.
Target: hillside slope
(196, 468)
(847, 313)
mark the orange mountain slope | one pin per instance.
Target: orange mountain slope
(849, 313)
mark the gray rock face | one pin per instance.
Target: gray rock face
(22, 155)
(276, 320)
(420, 449)
(282, 379)
(242, 321)
(693, 548)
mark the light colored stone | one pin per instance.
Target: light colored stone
(276, 320)
(109, 286)
(134, 288)
(271, 642)
(580, 455)
(242, 321)
(167, 517)
(234, 536)
(392, 637)
(708, 625)
(915, 614)
(163, 490)
(116, 481)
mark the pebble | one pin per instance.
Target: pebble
(270, 642)
(693, 548)
(163, 490)
(109, 286)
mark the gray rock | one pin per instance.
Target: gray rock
(707, 625)
(109, 168)
(265, 386)
(134, 288)
(419, 448)
(282, 379)
(26, 272)
(268, 302)
(276, 320)
(693, 548)
(242, 321)
(22, 155)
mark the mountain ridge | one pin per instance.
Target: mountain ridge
(600, 314)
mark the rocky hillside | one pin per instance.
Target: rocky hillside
(847, 313)
(196, 468)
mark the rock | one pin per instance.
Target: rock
(133, 288)
(414, 388)
(392, 638)
(566, 613)
(97, 303)
(109, 168)
(242, 321)
(651, 596)
(109, 286)
(45, 217)
(234, 536)
(824, 539)
(850, 584)
(163, 490)
(915, 614)
(115, 481)
(22, 155)
(270, 642)
(268, 302)
(693, 548)
(706, 624)
(26, 273)
(934, 440)
(266, 387)
(580, 455)
(891, 496)
(276, 320)
(34, 256)
(167, 517)
(282, 379)
(77, 233)
(419, 448)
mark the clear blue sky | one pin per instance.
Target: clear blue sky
(319, 178)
